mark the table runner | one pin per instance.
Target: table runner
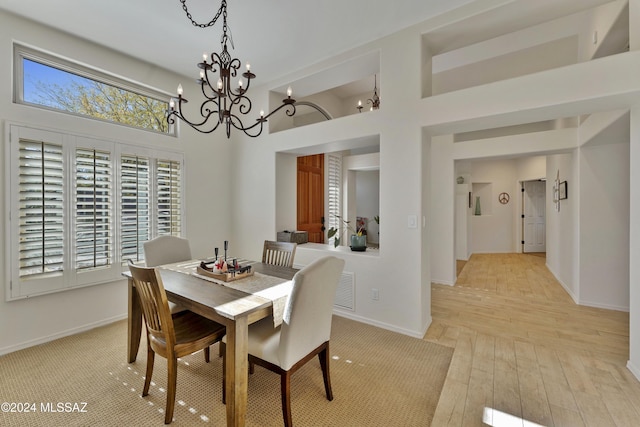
(272, 288)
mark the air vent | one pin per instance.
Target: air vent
(344, 293)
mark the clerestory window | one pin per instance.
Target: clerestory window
(45, 81)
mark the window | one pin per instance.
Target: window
(93, 210)
(45, 81)
(135, 227)
(80, 207)
(41, 199)
(169, 196)
(334, 171)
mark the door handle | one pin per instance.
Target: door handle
(322, 222)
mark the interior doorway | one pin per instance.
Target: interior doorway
(310, 200)
(533, 216)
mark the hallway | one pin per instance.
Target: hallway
(524, 348)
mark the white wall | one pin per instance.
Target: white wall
(634, 233)
(30, 321)
(417, 177)
(401, 290)
(493, 231)
(563, 226)
(286, 192)
(549, 95)
(463, 229)
(604, 225)
(527, 148)
(634, 208)
(442, 213)
(499, 229)
(531, 168)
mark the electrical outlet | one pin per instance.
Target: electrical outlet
(375, 295)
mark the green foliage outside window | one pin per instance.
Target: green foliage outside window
(62, 90)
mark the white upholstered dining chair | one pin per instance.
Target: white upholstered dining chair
(166, 250)
(305, 329)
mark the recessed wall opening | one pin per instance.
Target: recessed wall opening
(336, 90)
(351, 186)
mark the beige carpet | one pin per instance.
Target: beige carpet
(379, 378)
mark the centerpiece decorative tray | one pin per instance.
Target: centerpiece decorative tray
(232, 273)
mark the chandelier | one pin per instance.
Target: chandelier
(225, 102)
(374, 100)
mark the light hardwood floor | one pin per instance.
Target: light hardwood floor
(524, 348)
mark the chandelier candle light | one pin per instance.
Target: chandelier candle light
(223, 103)
(374, 100)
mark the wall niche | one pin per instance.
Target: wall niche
(482, 191)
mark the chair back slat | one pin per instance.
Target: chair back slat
(154, 303)
(279, 253)
(307, 316)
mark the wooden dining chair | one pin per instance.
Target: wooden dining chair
(305, 329)
(279, 253)
(170, 335)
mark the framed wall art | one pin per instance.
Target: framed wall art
(562, 191)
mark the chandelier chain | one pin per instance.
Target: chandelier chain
(223, 8)
(224, 105)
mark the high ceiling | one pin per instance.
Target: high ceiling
(281, 36)
(276, 36)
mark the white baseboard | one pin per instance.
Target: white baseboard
(566, 288)
(605, 306)
(66, 333)
(586, 303)
(635, 370)
(393, 328)
(426, 326)
(443, 282)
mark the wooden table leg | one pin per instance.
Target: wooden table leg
(134, 323)
(236, 372)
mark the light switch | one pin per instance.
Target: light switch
(412, 221)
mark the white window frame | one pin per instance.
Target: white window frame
(153, 155)
(70, 277)
(334, 192)
(21, 52)
(99, 274)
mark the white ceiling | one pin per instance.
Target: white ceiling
(276, 36)
(282, 36)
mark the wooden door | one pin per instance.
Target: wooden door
(311, 197)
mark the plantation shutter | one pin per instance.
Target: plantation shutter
(93, 210)
(41, 208)
(79, 207)
(135, 196)
(334, 171)
(169, 208)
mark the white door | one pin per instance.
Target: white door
(534, 216)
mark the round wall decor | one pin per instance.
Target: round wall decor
(503, 198)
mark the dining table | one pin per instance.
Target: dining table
(236, 307)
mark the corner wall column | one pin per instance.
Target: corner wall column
(634, 244)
